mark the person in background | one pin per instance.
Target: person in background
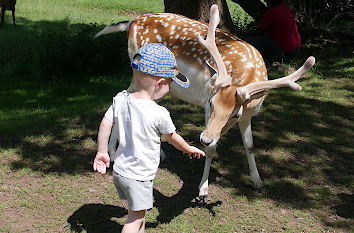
(277, 37)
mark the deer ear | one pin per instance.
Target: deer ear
(211, 69)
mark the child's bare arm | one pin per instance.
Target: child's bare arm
(177, 141)
(102, 160)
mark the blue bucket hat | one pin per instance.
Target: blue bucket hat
(157, 60)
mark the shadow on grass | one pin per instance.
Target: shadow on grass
(317, 137)
(55, 78)
(55, 84)
(96, 218)
(93, 218)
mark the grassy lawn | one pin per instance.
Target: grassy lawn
(55, 84)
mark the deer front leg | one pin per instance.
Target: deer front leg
(13, 16)
(203, 186)
(2, 16)
(246, 132)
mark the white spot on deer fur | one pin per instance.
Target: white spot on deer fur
(179, 27)
(188, 53)
(200, 61)
(254, 53)
(248, 50)
(258, 73)
(155, 31)
(194, 55)
(177, 36)
(249, 65)
(193, 49)
(146, 31)
(158, 37)
(175, 46)
(173, 27)
(228, 46)
(135, 42)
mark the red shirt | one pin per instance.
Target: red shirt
(280, 24)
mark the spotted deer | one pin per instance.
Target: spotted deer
(228, 77)
(7, 5)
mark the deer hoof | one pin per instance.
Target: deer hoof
(202, 199)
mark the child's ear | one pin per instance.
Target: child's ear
(160, 81)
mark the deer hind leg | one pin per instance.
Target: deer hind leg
(246, 132)
(113, 142)
(13, 15)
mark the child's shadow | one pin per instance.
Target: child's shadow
(96, 218)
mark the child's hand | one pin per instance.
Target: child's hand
(101, 162)
(195, 152)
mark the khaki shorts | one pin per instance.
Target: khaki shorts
(138, 193)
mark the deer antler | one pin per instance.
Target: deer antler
(252, 90)
(222, 78)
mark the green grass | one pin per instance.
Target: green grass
(240, 18)
(55, 84)
(84, 11)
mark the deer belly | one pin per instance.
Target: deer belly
(199, 90)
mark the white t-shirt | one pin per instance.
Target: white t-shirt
(140, 125)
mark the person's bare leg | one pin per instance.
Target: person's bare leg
(142, 228)
(135, 222)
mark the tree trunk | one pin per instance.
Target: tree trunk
(199, 10)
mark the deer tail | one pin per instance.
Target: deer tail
(118, 27)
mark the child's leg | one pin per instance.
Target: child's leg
(135, 222)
